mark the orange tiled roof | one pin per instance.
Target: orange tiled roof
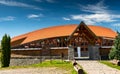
(64, 30)
(102, 31)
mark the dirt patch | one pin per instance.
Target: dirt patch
(45, 70)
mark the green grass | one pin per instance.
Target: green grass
(110, 64)
(57, 63)
(54, 63)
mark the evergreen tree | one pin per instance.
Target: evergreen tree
(115, 51)
(5, 51)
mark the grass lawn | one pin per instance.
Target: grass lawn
(54, 63)
(110, 64)
(57, 63)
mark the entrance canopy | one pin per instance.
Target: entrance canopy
(83, 32)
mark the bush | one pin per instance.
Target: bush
(112, 54)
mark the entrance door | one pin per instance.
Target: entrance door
(79, 51)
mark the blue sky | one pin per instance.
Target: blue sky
(22, 16)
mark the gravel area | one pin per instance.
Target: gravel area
(52, 70)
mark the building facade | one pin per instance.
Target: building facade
(73, 41)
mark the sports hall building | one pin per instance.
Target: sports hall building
(71, 41)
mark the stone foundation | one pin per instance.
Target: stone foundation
(24, 61)
(70, 53)
(94, 52)
(28, 60)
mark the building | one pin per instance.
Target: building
(72, 41)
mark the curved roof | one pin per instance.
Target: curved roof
(102, 31)
(63, 30)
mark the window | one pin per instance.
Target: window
(86, 49)
(75, 49)
(82, 49)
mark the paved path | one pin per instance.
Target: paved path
(34, 71)
(94, 67)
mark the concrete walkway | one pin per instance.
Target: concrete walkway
(94, 67)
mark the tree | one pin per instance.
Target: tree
(5, 51)
(115, 51)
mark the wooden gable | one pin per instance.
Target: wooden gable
(83, 31)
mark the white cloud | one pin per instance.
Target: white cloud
(97, 13)
(18, 4)
(95, 8)
(116, 16)
(93, 18)
(8, 18)
(34, 16)
(116, 24)
(67, 19)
